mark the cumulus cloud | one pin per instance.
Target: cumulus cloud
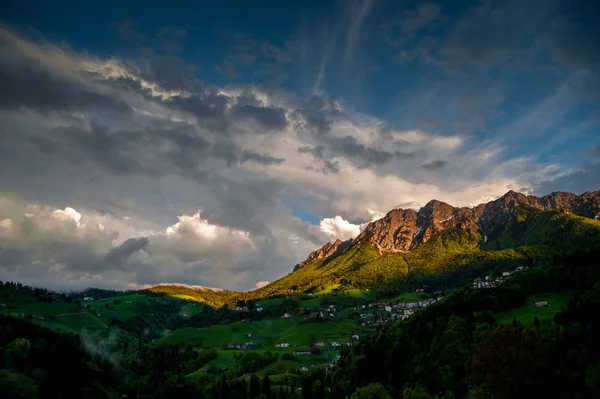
(337, 227)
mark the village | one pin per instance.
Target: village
(489, 282)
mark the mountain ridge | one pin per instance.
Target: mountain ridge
(402, 230)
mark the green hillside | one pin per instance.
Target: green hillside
(447, 260)
(59, 314)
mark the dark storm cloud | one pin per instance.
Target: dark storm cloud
(270, 118)
(435, 165)
(207, 106)
(24, 86)
(364, 156)
(319, 113)
(317, 151)
(251, 156)
(11, 257)
(79, 145)
(168, 71)
(179, 149)
(585, 177)
(325, 165)
(118, 255)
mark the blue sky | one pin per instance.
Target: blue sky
(250, 126)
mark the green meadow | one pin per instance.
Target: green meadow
(298, 331)
(525, 314)
(59, 315)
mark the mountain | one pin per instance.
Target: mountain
(442, 240)
(327, 252)
(402, 230)
(438, 245)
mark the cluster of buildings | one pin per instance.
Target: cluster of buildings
(400, 310)
(488, 282)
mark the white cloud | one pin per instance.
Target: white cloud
(260, 284)
(339, 228)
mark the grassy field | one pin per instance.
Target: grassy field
(269, 330)
(59, 315)
(528, 311)
(271, 302)
(192, 309)
(119, 307)
(73, 324)
(299, 331)
(327, 290)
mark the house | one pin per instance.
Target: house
(320, 344)
(520, 268)
(304, 369)
(286, 316)
(315, 314)
(236, 345)
(250, 335)
(388, 308)
(259, 309)
(283, 345)
(505, 274)
(419, 290)
(336, 344)
(302, 352)
(541, 304)
(87, 298)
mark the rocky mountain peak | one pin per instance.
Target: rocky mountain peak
(325, 253)
(392, 233)
(402, 230)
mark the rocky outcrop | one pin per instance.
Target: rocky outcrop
(402, 230)
(325, 253)
(392, 233)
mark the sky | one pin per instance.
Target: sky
(218, 143)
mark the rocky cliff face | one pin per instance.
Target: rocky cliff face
(404, 229)
(328, 251)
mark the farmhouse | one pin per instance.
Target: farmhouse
(302, 352)
(283, 345)
(320, 344)
(336, 344)
(237, 345)
(541, 304)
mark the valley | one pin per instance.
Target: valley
(309, 330)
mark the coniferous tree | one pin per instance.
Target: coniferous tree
(266, 386)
